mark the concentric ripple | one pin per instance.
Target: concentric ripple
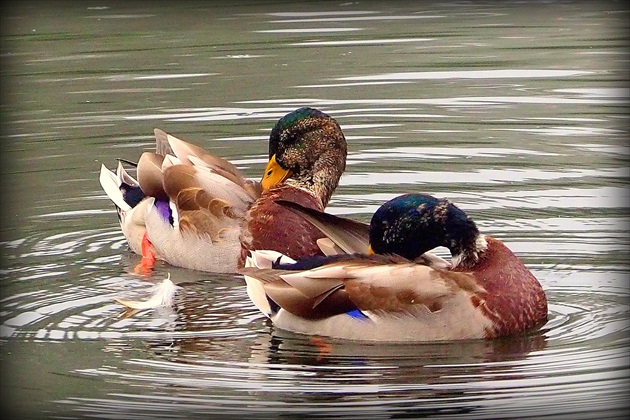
(516, 114)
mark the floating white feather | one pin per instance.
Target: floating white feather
(161, 295)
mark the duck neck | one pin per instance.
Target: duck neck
(467, 255)
(324, 178)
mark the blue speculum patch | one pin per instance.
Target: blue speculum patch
(357, 314)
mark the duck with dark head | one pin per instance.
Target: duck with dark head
(381, 283)
(413, 224)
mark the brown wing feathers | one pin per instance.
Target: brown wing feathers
(203, 215)
(194, 155)
(150, 174)
(312, 299)
(199, 212)
(340, 287)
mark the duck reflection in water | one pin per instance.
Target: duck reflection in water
(290, 371)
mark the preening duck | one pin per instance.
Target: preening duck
(395, 290)
(195, 210)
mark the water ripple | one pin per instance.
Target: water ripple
(536, 155)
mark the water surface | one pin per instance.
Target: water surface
(515, 111)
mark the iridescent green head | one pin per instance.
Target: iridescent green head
(412, 224)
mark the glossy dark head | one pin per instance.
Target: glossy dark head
(299, 138)
(413, 224)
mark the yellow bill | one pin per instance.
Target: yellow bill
(274, 174)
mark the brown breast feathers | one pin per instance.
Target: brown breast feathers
(271, 226)
(515, 300)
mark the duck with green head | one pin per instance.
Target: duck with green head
(395, 290)
(195, 210)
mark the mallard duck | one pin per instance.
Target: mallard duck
(396, 290)
(195, 210)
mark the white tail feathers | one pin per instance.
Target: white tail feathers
(111, 185)
(255, 288)
(264, 259)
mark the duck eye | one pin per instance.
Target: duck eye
(269, 173)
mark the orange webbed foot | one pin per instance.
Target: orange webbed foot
(148, 257)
